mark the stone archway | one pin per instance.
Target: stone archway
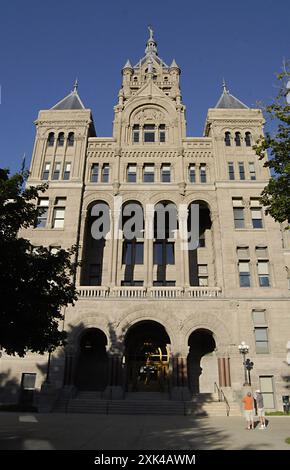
(147, 355)
(92, 363)
(202, 362)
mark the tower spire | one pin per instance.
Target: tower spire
(75, 87)
(224, 86)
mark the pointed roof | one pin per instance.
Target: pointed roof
(127, 65)
(228, 101)
(174, 65)
(71, 101)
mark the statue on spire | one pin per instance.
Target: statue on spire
(151, 33)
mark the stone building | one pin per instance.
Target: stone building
(153, 317)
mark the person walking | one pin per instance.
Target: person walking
(260, 409)
(248, 402)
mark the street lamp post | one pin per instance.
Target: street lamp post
(249, 366)
(50, 349)
(244, 349)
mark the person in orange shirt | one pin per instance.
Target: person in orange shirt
(249, 410)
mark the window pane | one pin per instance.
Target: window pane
(28, 381)
(245, 280)
(262, 347)
(264, 281)
(238, 202)
(259, 318)
(149, 137)
(169, 253)
(139, 250)
(127, 253)
(266, 384)
(263, 267)
(261, 334)
(158, 258)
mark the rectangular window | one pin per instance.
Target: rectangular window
(165, 173)
(231, 170)
(105, 173)
(252, 171)
(94, 172)
(256, 213)
(58, 212)
(263, 273)
(131, 173)
(266, 387)
(66, 173)
(261, 339)
(162, 133)
(149, 133)
(28, 381)
(136, 133)
(259, 317)
(45, 173)
(42, 206)
(148, 173)
(244, 273)
(239, 219)
(242, 170)
(202, 275)
(133, 253)
(202, 170)
(56, 171)
(191, 173)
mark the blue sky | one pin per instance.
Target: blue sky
(45, 45)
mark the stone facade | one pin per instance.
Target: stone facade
(194, 305)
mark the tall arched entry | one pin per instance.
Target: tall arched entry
(201, 362)
(147, 353)
(92, 365)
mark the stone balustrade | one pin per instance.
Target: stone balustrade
(138, 292)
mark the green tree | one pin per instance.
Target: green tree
(34, 284)
(276, 195)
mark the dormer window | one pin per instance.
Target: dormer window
(149, 133)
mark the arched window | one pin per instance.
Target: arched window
(50, 139)
(238, 139)
(228, 139)
(248, 139)
(60, 139)
(71, 139)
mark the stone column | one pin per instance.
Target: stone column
(149, 233)
(182, 246)
(116, 212)
(224, 371)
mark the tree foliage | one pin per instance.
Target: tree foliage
(35, 285)
(276, 195)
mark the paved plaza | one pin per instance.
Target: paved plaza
(93, 432)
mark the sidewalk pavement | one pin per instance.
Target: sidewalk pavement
(27, 431)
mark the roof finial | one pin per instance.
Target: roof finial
(76, 84)
(151, 46)
(225, 90)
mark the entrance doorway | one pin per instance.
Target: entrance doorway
(92, 364)
(147, 355)
(201, 362)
